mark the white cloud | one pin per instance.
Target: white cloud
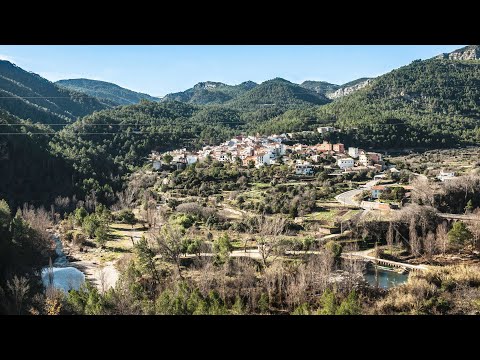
(6, 57)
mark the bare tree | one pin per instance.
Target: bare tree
(353, 267)
(423, 192)
(91, 201)
(430, 245)
(269, 242)
(40, 221)
(149, 209)
(390, 237)
(442, 237)
(415, 245)
(102, 276)
(18, 288)
(126, 197)
(169, 244)
(474, 227)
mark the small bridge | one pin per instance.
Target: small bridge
(466, 217)
(384, 262)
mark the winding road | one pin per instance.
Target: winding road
(348, 198)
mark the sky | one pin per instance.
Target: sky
(161, 69)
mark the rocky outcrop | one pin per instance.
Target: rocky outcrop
(208, 85)
(471, 52)
(348, 89)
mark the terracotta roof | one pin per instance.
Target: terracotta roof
(378, 187)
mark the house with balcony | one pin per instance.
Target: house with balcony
(303, 168)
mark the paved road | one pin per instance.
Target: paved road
(347, 198)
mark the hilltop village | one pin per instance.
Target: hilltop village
(257, 151)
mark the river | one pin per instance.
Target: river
(386, 278)
(64, 277)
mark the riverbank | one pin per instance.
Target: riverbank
(93, 263)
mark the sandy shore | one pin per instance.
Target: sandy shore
(103, 276)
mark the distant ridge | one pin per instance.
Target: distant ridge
(105, 90)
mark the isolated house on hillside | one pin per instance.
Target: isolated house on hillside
(377, 190)
(445, 176)
(325, 129)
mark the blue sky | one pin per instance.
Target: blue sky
(160, 69)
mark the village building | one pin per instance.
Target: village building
(445, 176)
(325, 146)
(377, 190)
(345, 163)
(325, 129)
(157, 164)
(370, 158)
(303, 168)
(339, 148)
(353, 152)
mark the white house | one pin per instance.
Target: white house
(363, 159)
(325, 129)
(192, 159)
(303, 168)
(353, 152)
(444, 176)
(262, 159)
(157, 164)
(345, 163)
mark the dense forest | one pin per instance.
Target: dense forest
(103, 91)
(107, 145)
(30, 172)
(427, 104)
(277, 93)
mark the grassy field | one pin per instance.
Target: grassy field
(332, 214)
(259, 185)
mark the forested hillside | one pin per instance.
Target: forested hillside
(104, 146)
(432, 103)
(29, 171)
(277, 93)
(103, 90)
(29, 96)
(210, 92)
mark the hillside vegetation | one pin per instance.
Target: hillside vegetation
(29, 96)
(103, 90)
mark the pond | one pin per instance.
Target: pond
(387, 278)
(63, 277)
